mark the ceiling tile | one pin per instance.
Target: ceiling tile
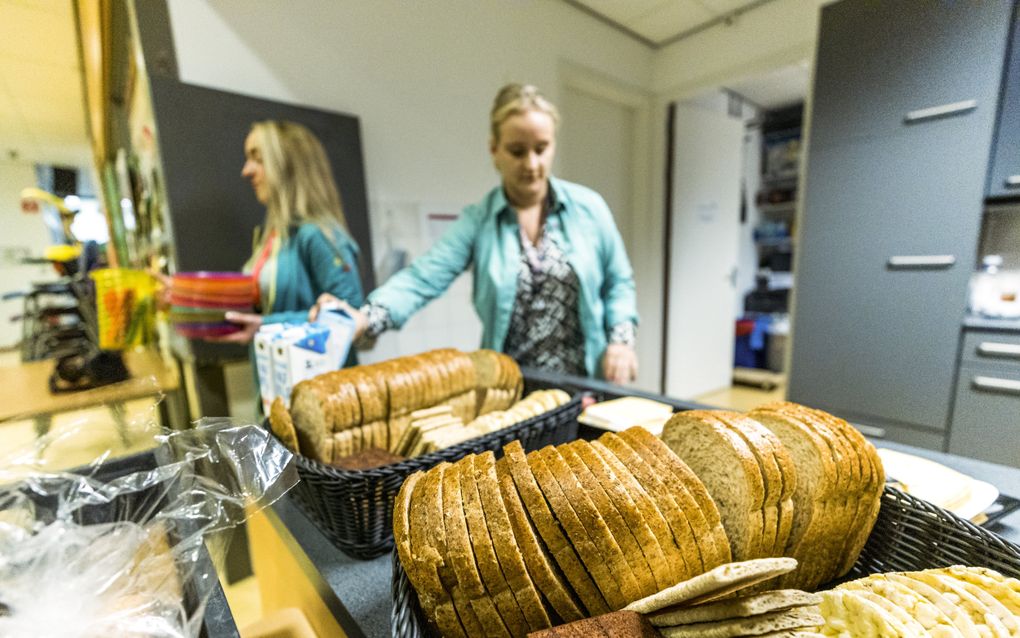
(671, 18)
(45, 33)
(624, 11)
(726, 6)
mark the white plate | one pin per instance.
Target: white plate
(982, 496)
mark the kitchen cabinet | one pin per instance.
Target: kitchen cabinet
(986, 415)
(1004, 176)
(892, 208)
(883, 65)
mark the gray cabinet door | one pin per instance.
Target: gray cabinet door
(878, 61)
(1004, 176)
(986, 418)
(870, 339)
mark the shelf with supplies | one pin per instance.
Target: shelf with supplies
(778, 208)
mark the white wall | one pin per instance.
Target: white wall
(23, 236)
(420, 76)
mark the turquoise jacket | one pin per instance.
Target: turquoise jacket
(486, 238)
(308, 264)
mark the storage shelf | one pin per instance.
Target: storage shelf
(781, 208)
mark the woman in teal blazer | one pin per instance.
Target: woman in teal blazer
(552, 282)
(304, 249)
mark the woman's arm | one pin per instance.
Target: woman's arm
(619, 363)
(431, 274)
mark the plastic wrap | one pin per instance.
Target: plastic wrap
(117, 549)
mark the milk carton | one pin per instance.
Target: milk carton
(341, 332)
(281, 361)
(263, 344)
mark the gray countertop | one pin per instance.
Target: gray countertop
(983, 323)
(358, 592)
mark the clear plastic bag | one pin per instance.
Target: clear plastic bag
(119, 549)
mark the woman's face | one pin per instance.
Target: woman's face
(523, 155)
(254, 171)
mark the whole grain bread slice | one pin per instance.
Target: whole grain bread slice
(462, 556)
(542, 569)
(760, 444)
(485, 555)
(714, 545)
(679, 545)
(551, 532)
(424, 504)
(447, 576)
(504, 542)
(728, 468)
(739, 607)
(816, 484)
(619, 527)
(650, 526)
(715, 584)
(585, 527)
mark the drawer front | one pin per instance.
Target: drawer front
(986, 418)
(1000, 350)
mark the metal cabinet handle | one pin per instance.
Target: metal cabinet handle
(921, 261)
(994, 384)
(953, 108)
(994, 349)
(871, 431)
(1013, 181)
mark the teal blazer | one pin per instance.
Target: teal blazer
(486, 238)
(308, 264)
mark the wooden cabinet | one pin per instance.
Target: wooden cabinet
(892, 206)
(1004, 176)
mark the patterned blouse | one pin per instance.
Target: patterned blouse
(545, 326)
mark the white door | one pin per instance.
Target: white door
(707, 163)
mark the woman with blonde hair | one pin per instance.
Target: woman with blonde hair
(552, 283)
(303, 249)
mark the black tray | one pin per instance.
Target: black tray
(909, 535)
(354, 508)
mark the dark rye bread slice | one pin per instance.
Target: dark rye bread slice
(504, 542)
(609, 510)
(584, 526)
(816, 485)
(550, 531)
(485, 555)
(664, 557)
(763, 450)
(686, 562)
(541, 566)
(427, 559)
(715, 546)
(730, 472)
(617, 624)
(462, 556)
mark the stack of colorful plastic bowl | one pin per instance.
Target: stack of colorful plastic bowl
(200, 300)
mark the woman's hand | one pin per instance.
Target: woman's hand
(249, 322)
(327, 300)
(619, 363)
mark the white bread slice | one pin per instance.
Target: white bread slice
(740, 607)
(797, 618)
(959, 616)
(847, 614)
(933, 619)
(715, 584)
(914, 627)
(1006, 590)
(730, 472)
(1009, 620)
(982, 617)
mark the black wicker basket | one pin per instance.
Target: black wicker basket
(909, 535)
(354, 508)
